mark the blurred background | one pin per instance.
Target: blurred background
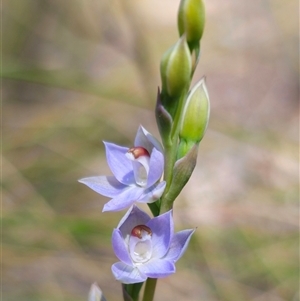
(77, 72)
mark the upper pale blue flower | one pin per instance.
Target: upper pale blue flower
(147, 247)
(137, 172)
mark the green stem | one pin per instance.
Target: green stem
(171, 153)
(169, 164)
(132, 291)
(154, 207)
(149, 289)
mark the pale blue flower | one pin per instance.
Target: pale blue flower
(147, 247)
(137, 173)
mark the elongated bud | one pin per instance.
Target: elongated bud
(191, 19)
(176, 68)
(195, 113)
(96, 294)
(195, 117)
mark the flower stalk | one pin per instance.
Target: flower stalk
(150, 289)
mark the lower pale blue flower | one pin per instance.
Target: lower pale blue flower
(137, 172)
(147, 247)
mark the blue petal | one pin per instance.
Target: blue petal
(119, 164)
(141, 140)
(152, 193)
(179, 244)
(127, 274)
(156, 167)
(107, 186)
(145, 139)
(120, 248)
(162, 231)
(124, 200)
(157, 268)
(132, 218)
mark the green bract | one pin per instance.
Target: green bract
(191, 19)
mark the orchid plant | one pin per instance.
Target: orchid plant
(154, 173)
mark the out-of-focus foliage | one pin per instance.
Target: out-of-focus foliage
(78, 72)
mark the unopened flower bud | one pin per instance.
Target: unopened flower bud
(176, 68)
(191, 19)
(195, 114)
(96, 294)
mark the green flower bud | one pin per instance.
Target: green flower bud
(176, 68)
(195, 114)
(191, 19)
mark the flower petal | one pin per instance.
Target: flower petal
(145, 139)
(127, 274)
(179, 244)
(152, 193)
(107, 186)
(120, 248)
(156, 167)
(162, 230)
(123, 200)
(132, 218)
(141, 139)
(120, 166)
(157, 268)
